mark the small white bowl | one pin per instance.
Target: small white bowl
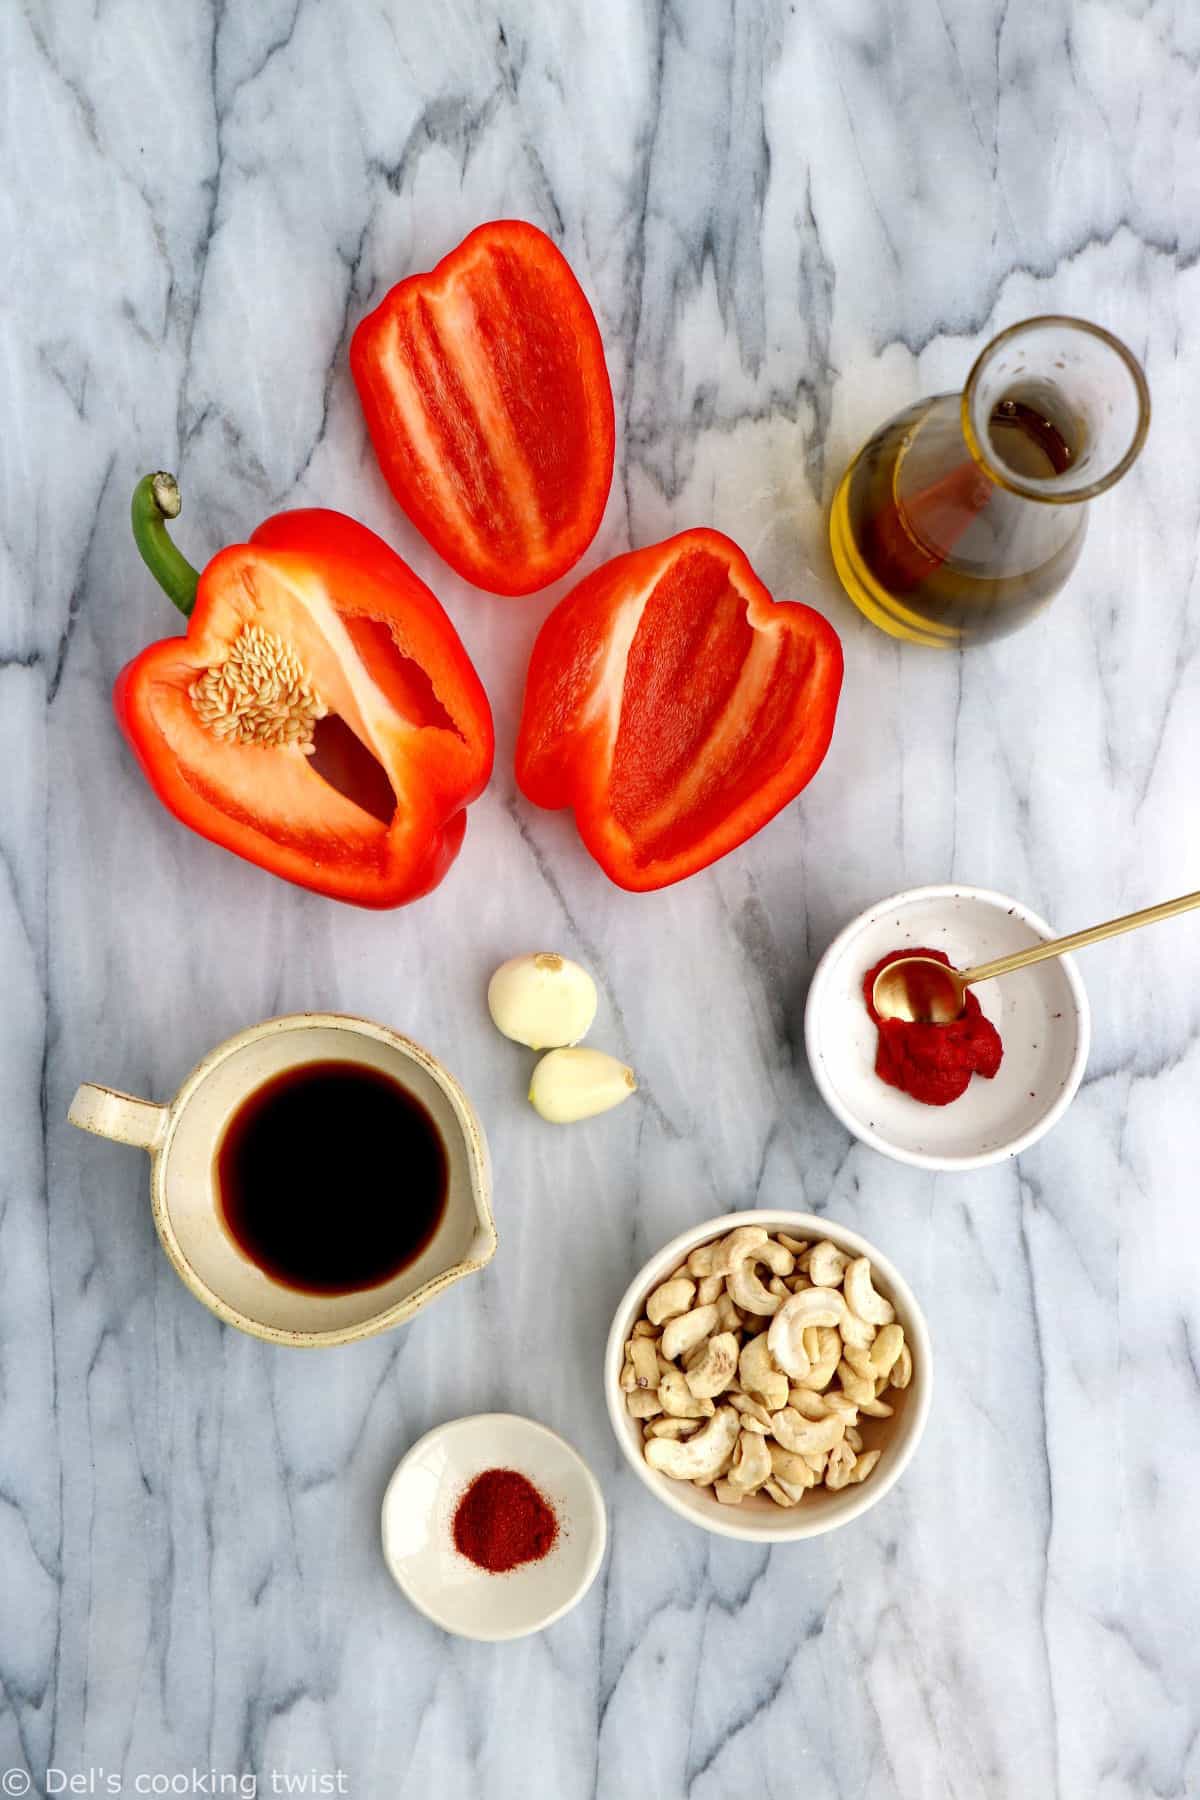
(758, 1519)
(1040, 1012)
(418, 1536)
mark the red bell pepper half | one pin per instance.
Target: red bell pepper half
(676, 707)
(488, 402)
(320, 717)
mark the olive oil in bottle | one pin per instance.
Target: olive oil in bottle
(931, 547)
(963, 515)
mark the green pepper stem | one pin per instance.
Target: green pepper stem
(155, 500)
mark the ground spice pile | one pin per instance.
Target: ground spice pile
(502, 1521)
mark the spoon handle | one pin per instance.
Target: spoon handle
(1149, 915)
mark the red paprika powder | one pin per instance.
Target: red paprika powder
(502, 1521)
(933, 1063)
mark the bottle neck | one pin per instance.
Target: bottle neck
(957, 511)
(1056, 410)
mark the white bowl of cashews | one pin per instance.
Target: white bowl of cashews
(769, 1421)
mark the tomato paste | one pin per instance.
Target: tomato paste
(933, 1063)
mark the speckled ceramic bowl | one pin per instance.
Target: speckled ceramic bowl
(758, 1518)
(1041, 1014)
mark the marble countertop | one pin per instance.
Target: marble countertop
(791, 220)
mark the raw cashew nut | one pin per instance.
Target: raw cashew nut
(727, 1494)
(901, 1373)
(728, 1316)
(683, 1333)
(759, 1376)
(841, 1404)
(855, 1331)
(542, 1000)
(743, 1248)
(780, 1493)
(855, 1386)
(826, 1264)
(794, 1490)
(829, 1355)
(697, 1458)
(678, 1399)
(715, 1367)
(700, 1262)
(753, 1411)
(644, 1403)
(814, 1306)
(672, 1428)
(807, 1436)
(777, 1257)
(865, 1463)
(808, 1404)
(730, 1250)
(711, 1288)
(885, 1350)
(727, 1464)
(861, 1297)
(671, 1299)
(840, 1467)
(751, 1464)
(796, 1245)
(860, 1362)
(790, 1467)
(877, 1409)
(643, 1354)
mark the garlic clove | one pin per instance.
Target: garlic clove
(543, 1000)
(576, 1084)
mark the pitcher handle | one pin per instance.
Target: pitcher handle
(111, 1114)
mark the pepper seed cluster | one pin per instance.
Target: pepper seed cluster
(260, 694)
(795, 1361)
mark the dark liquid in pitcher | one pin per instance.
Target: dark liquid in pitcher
(332, 1177)
(950, 560)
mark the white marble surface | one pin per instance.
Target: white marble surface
(791, 219)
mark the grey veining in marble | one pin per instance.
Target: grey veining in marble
(791, 219)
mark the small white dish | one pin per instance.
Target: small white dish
(758, 1519)
(418, 1535)
(1041, 1013)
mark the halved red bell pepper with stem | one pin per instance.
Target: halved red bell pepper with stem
(487, 399)
(320, 717)
(676, 706)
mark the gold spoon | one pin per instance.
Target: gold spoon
(918, 988)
